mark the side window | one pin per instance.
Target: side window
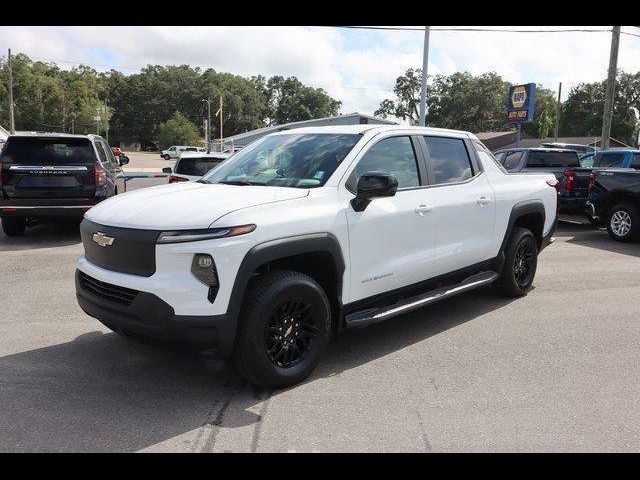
(635, 162)
(500, 157)
(101, 153)
(109, 152)
(609, 160)
(449, 159)
(391, 155)
(512, 161)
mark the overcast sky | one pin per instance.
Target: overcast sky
(357, 67)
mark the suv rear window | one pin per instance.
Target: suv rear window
(39, 151)
(197, 166)
(609, 160)
(553, 159)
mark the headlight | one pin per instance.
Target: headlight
(178, 236)
(204, 269)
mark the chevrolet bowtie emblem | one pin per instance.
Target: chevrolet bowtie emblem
(102, 240)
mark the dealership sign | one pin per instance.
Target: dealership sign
(521, 104)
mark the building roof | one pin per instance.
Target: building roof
(302, 123)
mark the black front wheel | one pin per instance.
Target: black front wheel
(521, 260)
(13, 226)
(284, 328)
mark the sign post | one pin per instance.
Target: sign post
(521, 106)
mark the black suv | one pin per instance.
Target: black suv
(48, 175)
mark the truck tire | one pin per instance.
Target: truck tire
(284, 327)
(13, 226)
(521, 260)
(622, 222)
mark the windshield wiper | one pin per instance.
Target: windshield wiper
(239, 182)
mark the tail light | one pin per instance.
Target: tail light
(592, 181)
(569, 180)
(174, 179)
(100, 175)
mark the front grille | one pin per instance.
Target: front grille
(131, 251)
(113, 293)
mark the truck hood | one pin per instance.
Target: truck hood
(184, 205)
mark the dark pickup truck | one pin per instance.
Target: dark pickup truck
(49, 175)
(573, 181)
(615, 201)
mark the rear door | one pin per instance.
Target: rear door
(111, 164)
(463, 204)
(48, 167)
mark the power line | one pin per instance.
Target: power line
(448, 29)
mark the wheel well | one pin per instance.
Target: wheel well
(318, 265)
(617, 198)
(534, 222)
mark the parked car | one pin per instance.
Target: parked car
(614, 200)
(308, 232)
(581, 149)
(52, 175)
(175, 150)
(573, 182)
(192, 166)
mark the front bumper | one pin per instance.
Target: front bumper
(150, 317)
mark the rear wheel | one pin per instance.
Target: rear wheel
(284, 328)
(521, 260)
(13, 226)
(622, 222)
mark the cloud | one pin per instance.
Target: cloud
(358, 67)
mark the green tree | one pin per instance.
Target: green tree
(288, 100)
(582, 111)
(407, 92)
(178, 130)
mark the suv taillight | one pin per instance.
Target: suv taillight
(592, 181)
(569, 179)
(100, 175)
(174, 179)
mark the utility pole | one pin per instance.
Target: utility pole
(425, 67)
(219, 112)
(611, 88)
(73, 126)
(12, 122)
(208, 124)
(556, 129)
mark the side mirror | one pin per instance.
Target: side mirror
(167, 170)
(374, 185)
(123, 160)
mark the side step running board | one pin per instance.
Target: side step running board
(367, 317)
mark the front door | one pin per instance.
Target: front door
(391, 241)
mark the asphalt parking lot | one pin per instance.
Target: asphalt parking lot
(557, 370)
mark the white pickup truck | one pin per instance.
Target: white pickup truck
(308, 232)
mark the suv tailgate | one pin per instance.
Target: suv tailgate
(48, 167)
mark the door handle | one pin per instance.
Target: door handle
(422, 209)
(483, 201)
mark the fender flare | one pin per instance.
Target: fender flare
(268, 252)
(519, 210)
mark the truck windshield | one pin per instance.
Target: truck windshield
(553, 159)
(303, 160)
(38, 151)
